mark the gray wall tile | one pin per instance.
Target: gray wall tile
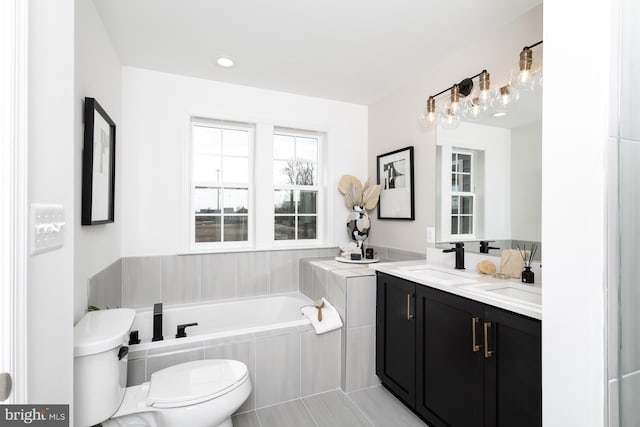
(141, 281)
(277, 369)
(136, 372)
(253, 273)
(337, 293)
(219, 276)
(284, 272)
(360, 359)
(630, 391)
(335, 409)
(306, 278)
(181, 279)
(320, 362)
(320, 277)
(160, 362)
(290, 414)
(400, 255)
(113, 285)
(245, 353)
(361, 301)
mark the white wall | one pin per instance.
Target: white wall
(393, 121)
(574, 156)
(526, 182)
(51, 180)
(156, 111)
(98, 76)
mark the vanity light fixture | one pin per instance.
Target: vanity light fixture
(485, 101)
(225, 62)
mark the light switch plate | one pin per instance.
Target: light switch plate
(431, 235)
(47, 227)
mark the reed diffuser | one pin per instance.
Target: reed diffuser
(527, 275)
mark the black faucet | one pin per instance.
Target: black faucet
(157, 322)
(484, 246)
(181, 333)
(459, 250)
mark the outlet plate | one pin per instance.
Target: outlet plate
(47, 227)
(431, 234)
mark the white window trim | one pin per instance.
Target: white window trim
(13, 195)
(319, 187)
(217, 246)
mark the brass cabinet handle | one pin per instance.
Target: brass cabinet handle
(409, 315)
(474, 342)
(487, 353)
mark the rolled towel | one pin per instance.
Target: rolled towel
(330, 318)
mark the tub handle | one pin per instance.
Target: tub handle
(181, 333)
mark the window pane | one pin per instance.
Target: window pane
(306, 173)
(454, 204)
(454, 224)
(236, 200)
(306, 227)
(308, 202)
(208, 229)
(284, 228)
(235, 142)
(465, 163)
(206, 140)
(206, 168)
(236, 228)
(467, 205)
(466, 183)
(283, 147)
(206, 200)
(466, 225)
(284, 201)
(307, 149)
(453, 162)
(284, 172)
(454, 182)
(235, 169)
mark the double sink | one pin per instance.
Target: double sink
(506, 293)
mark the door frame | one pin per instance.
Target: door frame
(13, 195)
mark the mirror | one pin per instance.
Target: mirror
(489, 179)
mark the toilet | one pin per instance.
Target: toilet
(202, 393)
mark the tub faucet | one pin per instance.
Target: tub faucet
(459, 250)
(157, 322)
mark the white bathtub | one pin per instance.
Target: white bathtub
(221, 319)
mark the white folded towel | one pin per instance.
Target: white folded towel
(330, 318)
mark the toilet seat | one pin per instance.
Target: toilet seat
(195, 382)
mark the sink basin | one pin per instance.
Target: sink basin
(512, 291)
(438, 276)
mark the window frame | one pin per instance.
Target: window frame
(250, 186)
(449, 194)
(318, 188)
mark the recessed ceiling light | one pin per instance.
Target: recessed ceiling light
(225, 62)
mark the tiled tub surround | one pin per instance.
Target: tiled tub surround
(351, 288)
(139, 282)
(284, 364)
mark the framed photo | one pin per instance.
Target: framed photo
(98, 165)
(395, 173)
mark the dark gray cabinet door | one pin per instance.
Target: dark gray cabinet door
(450, 381)
(396, 336)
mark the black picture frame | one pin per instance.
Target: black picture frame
(395, 173)
(98, 165)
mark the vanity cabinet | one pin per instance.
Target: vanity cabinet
(472, 364)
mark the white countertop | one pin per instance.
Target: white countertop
(482, 288)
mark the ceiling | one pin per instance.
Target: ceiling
(349, 50)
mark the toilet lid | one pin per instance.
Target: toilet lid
(194, 382)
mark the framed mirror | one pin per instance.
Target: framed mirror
(489, 179)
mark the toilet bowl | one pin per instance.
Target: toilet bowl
(202, 393)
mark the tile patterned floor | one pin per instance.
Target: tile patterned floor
(364, 408)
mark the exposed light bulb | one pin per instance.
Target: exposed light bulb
(474, 109)
(429, 117)
(485, 91)
(525, 71)
(454, 104)
(504, 98)
(449, 120)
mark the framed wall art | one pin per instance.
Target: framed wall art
(98, 165)
(395, 174)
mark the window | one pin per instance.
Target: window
(220, 182)
(462, 193)
(295, 183)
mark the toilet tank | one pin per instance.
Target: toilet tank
(100, 364)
